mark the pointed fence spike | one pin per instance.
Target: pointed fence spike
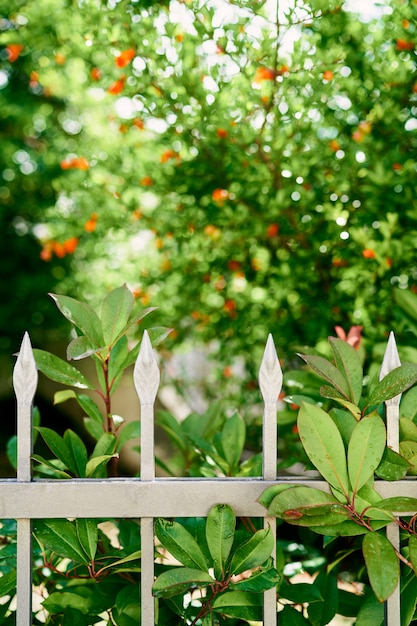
(270, 373)
(390, 362)
(146, 373)
(25, 373)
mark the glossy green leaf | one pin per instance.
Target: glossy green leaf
(365, 450)
(412, 552)
(261, 580)
(306, 506)
(328, 392)
(58, 447)
(88, 536)
(77, 450)
(64, 395)
(115, 313)
(267, 496)
(57, 471)
(394, 383)
(81, 348)
(253, 552)
(399, 504)
(90, 407)
(82, 316)
(61, 537)
(408, 598)
(345, 423)
(408, 406)
(321, 613)
(239, 604)
(138, 316)
(60, 371)
(393, 466)
(128, 596)
(125, 564)
(60, 601)
(300, 593)
(105, 445)
(381, 564)
(233, 439)
(8, 584)
(220, 532)
(94, 429)
(408, 430)
(291, 617)
(329, 372)
(97, 463)
(179, 580)
(128, 432)
(180, 543)
(349, 364)
(371, 613)
(323, 445)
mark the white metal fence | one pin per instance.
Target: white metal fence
(146, 498)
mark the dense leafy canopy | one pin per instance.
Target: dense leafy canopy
(248, 168)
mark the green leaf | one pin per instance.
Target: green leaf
(321, 613)
(78, 452)
(239, 604)
(394, 383)
(128, 596)
(129, 431)
(291, 617)
(349, 364)
(58, 447)
(371, 613)
(261, 580)
(61, 601)
(118, 565)
(64, 395)
(408, 406)
(306, 506)
(220, 532)
(50, 464)
(90, 407)
(61, 537)
(97, 463)
(115, 313)
(180, 543)
(381, 564)
(94, 429)
(329, 372)
(88, 536)
(407, 301)
(266, 497)
(233, 440)
(412, 552)
(328, 392)
(179, 580)
(365, 450)
(300, 593)
(137, 316)
(399, 504)
(253, 552)
(82, 316)
(408, 598)
(8, 584)
(408, 430)
(80, 348)
(393, 466)
(323, 445)
(60, 371)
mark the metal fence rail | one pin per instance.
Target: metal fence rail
(148, 497)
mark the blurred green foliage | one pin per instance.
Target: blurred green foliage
(246, 169)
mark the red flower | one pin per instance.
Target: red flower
(125, 57)
(13, 51)
(353, 337)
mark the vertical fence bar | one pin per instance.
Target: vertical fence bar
(146, 379)
(270, 383)
(392, 411)
(25, 380)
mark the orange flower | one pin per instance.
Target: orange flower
(220, 195)
(368, 253)
(167, 155)
(328, 75)
(60, 58)
(233, 265)
(228, 371)
(179, 37)
(397, 166)
(13, 51)
(221, 133)
(117, 87)
(353, 337)
(212, 231)
(264, 73)
(70, 245)
(59, 249)
(46, 252)
(91, 224)
(404, 46)
(334, 145)
(125, 57)
(230, 306)
(95, 73)
(272, 230)
(146, 181)
(138, 123)
(76, 163)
